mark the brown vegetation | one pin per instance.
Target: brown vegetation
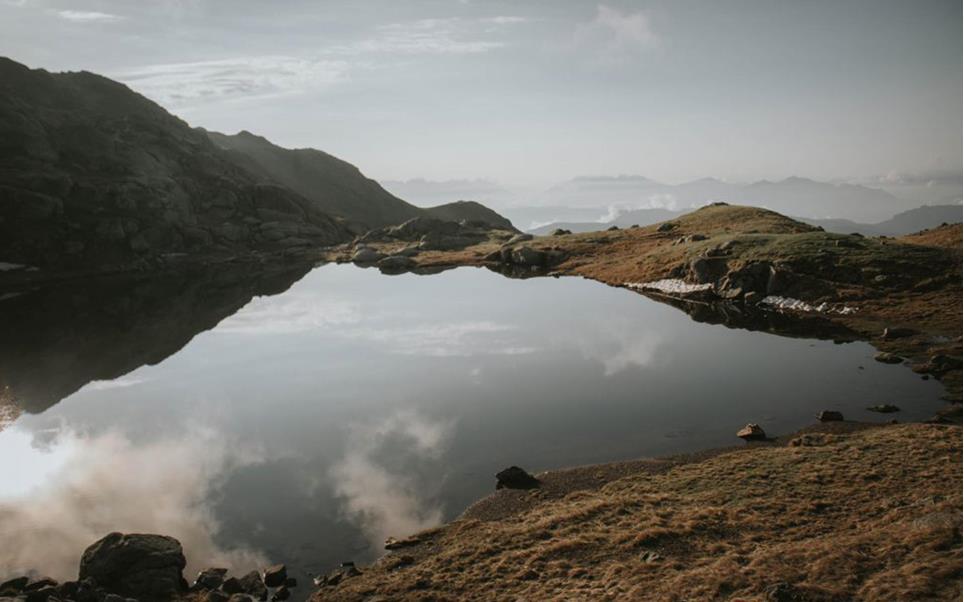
(872, 515)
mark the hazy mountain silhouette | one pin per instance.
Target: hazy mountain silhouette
(791, 196)
(906, 222)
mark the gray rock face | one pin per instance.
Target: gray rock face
(142, 566)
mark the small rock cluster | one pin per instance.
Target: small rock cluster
(131, 567)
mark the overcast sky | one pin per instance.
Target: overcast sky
(530, 93)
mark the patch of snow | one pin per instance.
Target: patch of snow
(669, 285)
(7, 267)
(791, 304)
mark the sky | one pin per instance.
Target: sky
(533, 93)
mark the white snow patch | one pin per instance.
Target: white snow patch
(669, 285)
(7, 266)
(791, 304)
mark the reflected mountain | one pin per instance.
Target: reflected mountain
(738, 316)
(56, 339)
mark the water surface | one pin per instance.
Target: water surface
(311, 424)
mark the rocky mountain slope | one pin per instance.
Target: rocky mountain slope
(95, 175)
(339, 188)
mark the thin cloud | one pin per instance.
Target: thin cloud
(87, 16)
(426, 36)
(616, 33)
(185, 84)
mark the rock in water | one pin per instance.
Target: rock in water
(829, 416)
(210, 578)
(275, 576)
(888, 358)
(396, 263)
(515, 478)
(751, 432)
(884, 408)
(141, 566)
(252, 585)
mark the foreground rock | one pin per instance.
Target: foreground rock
(135, 565)
(751, 432)
(515, 478)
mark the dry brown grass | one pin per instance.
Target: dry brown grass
(872, 515)
(948, 236)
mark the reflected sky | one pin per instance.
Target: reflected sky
(311, 425)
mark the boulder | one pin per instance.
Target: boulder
(232, 585)
(13, 586)
(210, 578)
(829, 416)
(367, 255)
(514, 477)
(704, 270)
(143, 566)
(885, 357)
(666, 227)
(528, 256)
(561, 232)
(897, 333)
(275, 576)
(252, 585)
(283, 593)
(612, 228)
(396, 544)
(751, 432)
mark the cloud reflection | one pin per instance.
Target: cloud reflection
(86, 487)
(387, 500)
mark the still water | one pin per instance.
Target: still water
(309, 425)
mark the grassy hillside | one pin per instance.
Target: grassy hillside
(872, 515)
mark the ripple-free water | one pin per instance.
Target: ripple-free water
(310, 425)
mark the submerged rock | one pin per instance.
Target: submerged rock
(884, 408)
(136, 565)
(751, 432)
(829, 416)
(514, 477)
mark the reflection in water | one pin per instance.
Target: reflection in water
(306, 427)
(390, 500)
(56, 339)
(75, 489)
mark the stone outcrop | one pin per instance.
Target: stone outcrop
(141, 566)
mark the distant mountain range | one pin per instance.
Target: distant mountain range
(905, 222)
(791, 196)
(94, 176)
